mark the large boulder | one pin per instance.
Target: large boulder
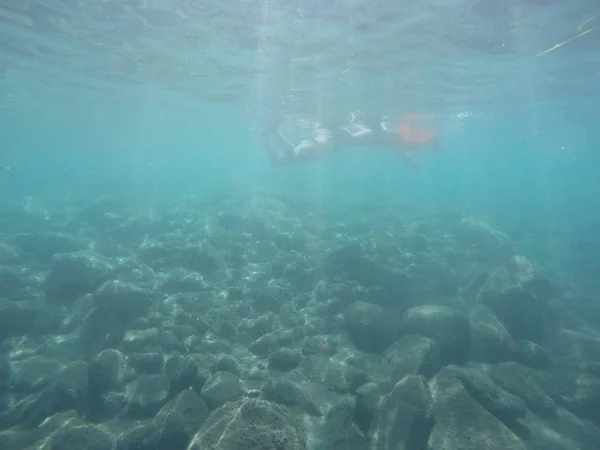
(520, 296)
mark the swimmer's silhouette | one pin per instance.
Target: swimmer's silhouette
(402, 136)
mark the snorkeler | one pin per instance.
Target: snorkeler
(409, 132)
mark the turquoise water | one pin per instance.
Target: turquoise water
(157, 93)
(157, 107)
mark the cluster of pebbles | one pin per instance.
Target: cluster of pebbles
(222, 327)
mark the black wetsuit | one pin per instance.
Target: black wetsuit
(326, 140)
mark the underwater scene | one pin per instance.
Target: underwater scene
(299, 225)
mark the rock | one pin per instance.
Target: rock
(403, 418)
(75, 314)
(526, 384)
(370, 327)
(461, 423)
(289, 394)
(340, 431)
(416, 243)
(73, 382)
(103, 213)
(95, 331)
(9, 254)
(150, 251)
(106, 406)
(166, 432)
(491, 246)
(354, 378)
(387, 284)
(227, 330)
(319, 345)
(80, 437)
(367, 402)
(107, 372)
(271, 298)
(567, 432)
(32, 410)
(284, 360)
(148, 340)
(490, 340)
(531, 354)
(180, 281)
(340, 377)
(261, 325)
(146, 363)
(264, 345)
(447, 326)
(10, 282)
(506, 407)
(5, 379)
(227, 363)
(182, 372)
(411, 355)
(191, 407)
(20, 437)
(123, 301)
(16, 318)
(264, 251)
(172, 428)
(519, 294)
(575, 349)
(118, 304)
(32, 374)
(239, 223)
(220, 388)
(584, 400)
(43, 246)
(205, 259)
(250, 424)
(48, 320)
(146, 395)
(75, 274)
